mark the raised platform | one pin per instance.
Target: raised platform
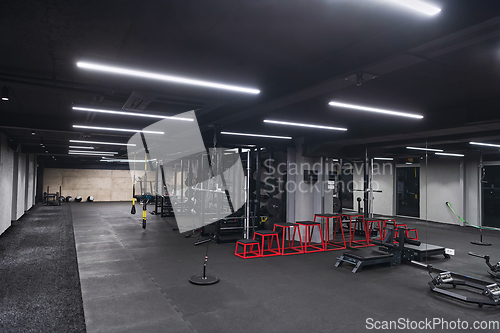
(365, 257)
(425, 250)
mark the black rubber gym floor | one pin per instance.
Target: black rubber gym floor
(39, 283)
(136, 280)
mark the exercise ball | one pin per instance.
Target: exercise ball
(90, 198)
(78, 199)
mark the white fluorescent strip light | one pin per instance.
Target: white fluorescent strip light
(419, 6)
(162, 77)
(484, 144)
(383, 158)
(118, 160)
(90, 153)
(366, 108)
(235, 150)
(426, 149)
(93, 152)
(450, 154)
(258, 135)
(409, 163)
(81, 147)
(304, 125)
(130, 113)
(116, 129)
(103, 143)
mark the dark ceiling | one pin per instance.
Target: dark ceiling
(296, 52)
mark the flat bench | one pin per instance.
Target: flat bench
(363, 258)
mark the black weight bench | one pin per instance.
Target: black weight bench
(367, 257)
(361, 259)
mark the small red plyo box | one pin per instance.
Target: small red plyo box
(396, 230)
(270, 236)
(248, 248)
(332, 244)
(286, 231)
(309, 246)
(370, 225)
(357, 219)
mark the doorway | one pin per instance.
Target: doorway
(346, 187)
(408, 191)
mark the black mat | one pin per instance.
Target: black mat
(39, 282)
(297, 293)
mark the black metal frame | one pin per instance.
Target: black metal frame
(494, 270)
(395, 253)
(490, 292)
(56, 197)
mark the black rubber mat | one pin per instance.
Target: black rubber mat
(39, 282)
(297, 293)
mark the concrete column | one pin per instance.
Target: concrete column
(6, 179)
(472, 189)
(30, 182)
(19, 186)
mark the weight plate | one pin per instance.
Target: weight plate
(273, 206)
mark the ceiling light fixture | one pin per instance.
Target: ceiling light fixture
(93, 152)
(90, 154)
(383, 158)
(304, 125)
(366, 108)
(419, 6)
(124, 160)
(5, 93)
(103, 143)
(450, 154)
(116, 129)
(130, 113)
(258, 135)
(162, 77)
(81, 147)
(484, 144)
(426, 149)
(235, 150)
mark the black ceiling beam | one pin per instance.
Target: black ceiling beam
(59, 86)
